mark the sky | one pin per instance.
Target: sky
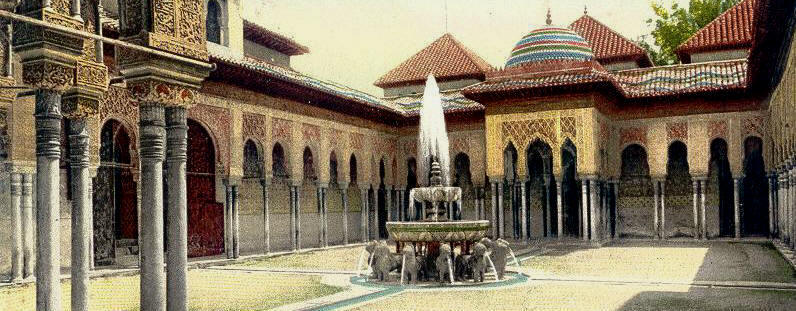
(354, 42)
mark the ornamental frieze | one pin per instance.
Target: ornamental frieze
(161, 92)
(310, 133)
(677, 131)
(569, 127)
(633, 135)
(459, 144)
(48, 75)
(336, 139)
(754, 126)
(356, 140)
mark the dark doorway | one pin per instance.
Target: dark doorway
(205, 215)
(463, 179)
(635, 193)
(539, 162)
(411, 183)
(720, 188)
(754, 206)
(509, 190)
(382, 193)
(570, 189)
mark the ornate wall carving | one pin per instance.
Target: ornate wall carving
(717, 129)
(356, 141)
(569, 127)
(310, 133)
(282, 129)
(254, 125)
(524, 131)
(677, 131)
(633, 135)
(754, 126)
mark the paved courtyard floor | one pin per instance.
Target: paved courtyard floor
(623, 275)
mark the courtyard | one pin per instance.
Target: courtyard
(622, 275)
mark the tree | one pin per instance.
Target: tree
(675, 25)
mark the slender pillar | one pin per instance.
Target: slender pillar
(695, 192)
(524, 212)
(702, 185)
(388, 202)
(792, 205)
(229, 245)
(235, 223)
(176, 157)
(494, 210)
(293, 217)
(298, 216)
(81, 212)
(548, 206)
(325, 205)
(595, 211)
(376, 225)
(28, 242)
(75, 9)
(152, 143)
(737, 213)
(559, 211)
(663, 209)
(501, 213)
(655, 229)
(771, 203)
(319, 207)
(615, 209)
(585, 209)
(48, 200)
(17, 255)
(266, 217)
(344, 194)
(785, 188)
(364, 213)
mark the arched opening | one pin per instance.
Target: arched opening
(250, 198)
(462, 178)
(354, 200)
(352, 169)
(280, 199)
(382, 198)
(214, 22)
(309, 220)
(719, 192)
(635, 194)
(570, 189)
(205, 215)
(309, 167)
(509, 191)
(252, 161)
(754, 193)
(540, 199)
(678, 193)
(278, 166)
(115, 198)
(333, 169)
(411, 183)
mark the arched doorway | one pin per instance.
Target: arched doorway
(570, 189)
(635, 194)
(719, 192)
(309, 218)
(754, 206)
(509, 191)
(280, 196)
(462, 178)
(540, 200)
(115, 198)
(250, 199)
(205, 215)
(678, 195)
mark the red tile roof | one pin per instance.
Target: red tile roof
(272, 40)
(607, 44)
(446, 58)
(730, 30)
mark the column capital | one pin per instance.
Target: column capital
(265, 181)
(343, 185)
(323, 185)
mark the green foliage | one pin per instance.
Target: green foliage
(675, 24)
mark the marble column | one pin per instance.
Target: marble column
(785, 189)
(319, 208)
(501, 212)
(48, 200)
(585, 209)
(28, 241)
(81, 212)
(702, 185)
(771, 204)
(364, 213)
(325, 205)
(388, 202)
(663, 210)
(235, 222)
(737, 210)
(615, 209)
(17, 255)
(344, 194)
(266, 217)
(548, 205)
(595, 210)
(695, 192)
(293, 230)
(376, 224)
(559, 211)
(656, 188)
(152, 143)
(494, 210)
(792, 206)
(297, 191)
(176, 157)
(229, 244)
(524, 210)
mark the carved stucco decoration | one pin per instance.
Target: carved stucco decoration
(282, 130)
(117, 105)
(48, 75)
(310, 133)
(177, 26)
(754, 126)
(459, 144)
(524, 131)
(337, 143)
(717, 129)
(216, 120)
(356, 140)
(169, 94)
(630, 135)
(569, 128)
(255, 126)
(677, 131)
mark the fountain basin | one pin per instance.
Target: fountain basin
(452, 231)
(436, 194)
